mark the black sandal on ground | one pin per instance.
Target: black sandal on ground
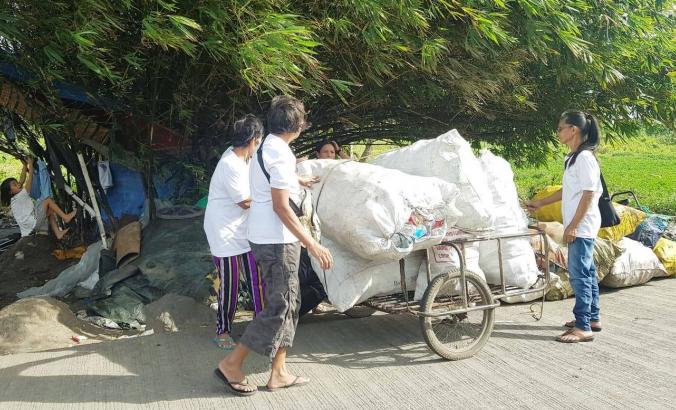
(229, 385)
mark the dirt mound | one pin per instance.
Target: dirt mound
(35, 324)
(173, 313)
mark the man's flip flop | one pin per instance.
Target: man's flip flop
(571, 325)
(232, 388)
(297, 382)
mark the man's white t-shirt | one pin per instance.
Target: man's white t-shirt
(265, 227)
(23, 210)
(224, 220)
(583, 175)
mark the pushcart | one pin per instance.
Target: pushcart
(457, 311)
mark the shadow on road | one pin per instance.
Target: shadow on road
(167, 367)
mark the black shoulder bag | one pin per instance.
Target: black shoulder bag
(259, 154)
(608, 215)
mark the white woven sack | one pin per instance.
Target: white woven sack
(443, 259)
(518, 258)
(637, 265)
(509, 216)
(377, 213)
(450, 158)
(353, 279)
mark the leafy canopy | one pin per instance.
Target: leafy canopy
(500, 71)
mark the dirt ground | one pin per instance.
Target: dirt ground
(37, 266)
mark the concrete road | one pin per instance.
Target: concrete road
(379, 362)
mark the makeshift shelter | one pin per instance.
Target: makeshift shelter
(102, 161)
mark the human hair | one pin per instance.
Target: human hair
(286, 115)
(333, 143)
(590, 132)
(6, 192)
(246, 130)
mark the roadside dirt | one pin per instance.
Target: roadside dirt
(36, 267)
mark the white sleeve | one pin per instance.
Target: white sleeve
(588, 171)
(236, 183)
(282, 172)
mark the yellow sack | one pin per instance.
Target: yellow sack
(630, 219)
(551, 212)
(666, 253)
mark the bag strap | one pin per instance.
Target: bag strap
(259, 155)
(605, 194)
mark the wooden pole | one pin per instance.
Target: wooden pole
(95, 204)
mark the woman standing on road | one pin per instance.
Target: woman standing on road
(225, 224)
(581, 218)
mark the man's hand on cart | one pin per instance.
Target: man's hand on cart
(307, 181)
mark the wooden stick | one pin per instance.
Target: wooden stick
(95, 204)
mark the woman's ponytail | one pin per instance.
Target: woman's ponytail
(590, 132)
(593, 132)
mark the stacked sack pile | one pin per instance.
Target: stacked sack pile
(640, 248)
(408, 200)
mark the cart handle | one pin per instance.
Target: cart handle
(626, 201)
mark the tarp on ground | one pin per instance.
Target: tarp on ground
(174, 258)
(62, 284)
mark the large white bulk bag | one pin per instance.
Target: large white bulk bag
(353, 279)
(507, 212)
(637, 264)
(518, 262)
(518, 258)
(377, 213)
(554, 281)
(443, 259)
(450, 158)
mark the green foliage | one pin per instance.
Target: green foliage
(500, 71)
(10, 167)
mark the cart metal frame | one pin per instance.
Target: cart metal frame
(403, 303)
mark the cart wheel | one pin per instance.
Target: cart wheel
(359, 311)
(459, 336)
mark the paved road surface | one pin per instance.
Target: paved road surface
(379, 362)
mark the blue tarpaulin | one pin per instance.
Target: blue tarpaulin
(127, 195)
(68, 92)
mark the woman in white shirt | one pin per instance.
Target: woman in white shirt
(275, 234)
(225, 224)
(581, 218)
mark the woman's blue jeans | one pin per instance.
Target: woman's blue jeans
(584, 282)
